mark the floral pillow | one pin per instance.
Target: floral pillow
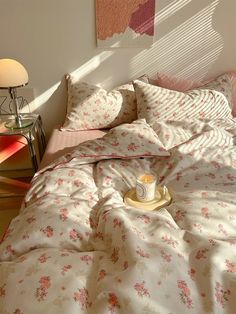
(222, 84)
(156, 103)
(227, 80)
(92, 107)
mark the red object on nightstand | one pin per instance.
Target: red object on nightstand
(9, 145)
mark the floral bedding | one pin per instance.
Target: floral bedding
(76, 247)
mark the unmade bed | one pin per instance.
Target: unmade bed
(61, 143)
(76, 247)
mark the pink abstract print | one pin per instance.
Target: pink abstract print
(125, 23)
(142, 20)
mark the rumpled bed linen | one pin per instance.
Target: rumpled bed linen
(77, 248)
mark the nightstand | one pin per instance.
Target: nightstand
(12, 140)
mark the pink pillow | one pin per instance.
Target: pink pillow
(175, 83)
(182, 85)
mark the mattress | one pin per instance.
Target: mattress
(62, 142)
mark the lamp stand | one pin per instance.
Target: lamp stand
(18, 122)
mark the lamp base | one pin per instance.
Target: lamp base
(21, 124)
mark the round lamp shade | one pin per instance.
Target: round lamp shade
(12, 74)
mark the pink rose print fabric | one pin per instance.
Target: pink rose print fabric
(130, 140)
(93, 107)
(225, 83)
(155, 103)
(172, 133)
(75, 247)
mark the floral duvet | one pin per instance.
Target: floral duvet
(76, 247)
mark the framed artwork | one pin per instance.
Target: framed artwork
(25, 97)
(125, 23)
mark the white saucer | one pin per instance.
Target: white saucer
(163, 198)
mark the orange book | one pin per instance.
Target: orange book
(9, 145)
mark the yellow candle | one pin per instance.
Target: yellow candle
(147, 178)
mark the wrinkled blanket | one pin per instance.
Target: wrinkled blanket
(76, 247)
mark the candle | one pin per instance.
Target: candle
(146, 187)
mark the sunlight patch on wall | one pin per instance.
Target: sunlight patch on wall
(79, 73)
(106, 82)
(188, 50)
(44, 97)
(92, 64)
(170, 9)
(199, 68)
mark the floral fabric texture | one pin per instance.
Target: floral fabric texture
(92, 107)
(222, 84)
(172, 133)
(155, 103)
(136, 139)
(129, 140)
(75, 247)
(226, 82)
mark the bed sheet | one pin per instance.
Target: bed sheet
(62, 142)
(77, 248)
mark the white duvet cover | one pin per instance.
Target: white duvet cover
(77, 248)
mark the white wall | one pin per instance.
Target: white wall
(193, 39)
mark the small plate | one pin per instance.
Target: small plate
(162, 199)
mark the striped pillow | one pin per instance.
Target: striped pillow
(156, 103)
(225, 83)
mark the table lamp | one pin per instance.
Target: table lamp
(12, 76)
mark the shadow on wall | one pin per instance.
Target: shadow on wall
(226, 29)
(189, 43)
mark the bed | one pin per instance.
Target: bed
(76, 247)
(61, 143)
